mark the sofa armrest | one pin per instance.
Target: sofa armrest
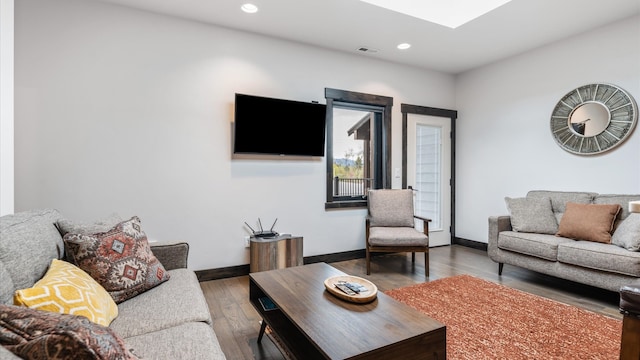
(496, 225)
(172, 255)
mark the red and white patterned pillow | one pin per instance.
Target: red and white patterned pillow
(35, 334)
(119, 259)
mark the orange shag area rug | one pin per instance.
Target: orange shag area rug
(490, 321)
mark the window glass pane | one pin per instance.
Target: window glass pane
(352, 143)
(428, 174)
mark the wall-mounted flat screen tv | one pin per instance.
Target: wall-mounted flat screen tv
(264, 125)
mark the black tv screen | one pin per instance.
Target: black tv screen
(271, 126)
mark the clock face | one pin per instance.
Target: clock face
(593, 118)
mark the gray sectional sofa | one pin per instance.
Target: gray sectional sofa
(169, 321)
(604, 265)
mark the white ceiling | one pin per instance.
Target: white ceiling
(346, 25)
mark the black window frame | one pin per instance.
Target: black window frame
(377, 104)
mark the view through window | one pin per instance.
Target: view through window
(351, 152)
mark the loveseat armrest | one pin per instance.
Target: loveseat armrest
(496, 225)
(172, 255)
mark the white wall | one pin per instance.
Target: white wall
(504, 143)
(6, 107)
(126, 111)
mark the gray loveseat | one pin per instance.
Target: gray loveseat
(604, 265)
(169, 321)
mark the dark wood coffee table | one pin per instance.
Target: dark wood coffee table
(313, 324)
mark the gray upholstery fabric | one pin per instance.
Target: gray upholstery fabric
(6, 354)
(498, 224)
(559, 199)
(28, 242)
(6, 287)
(152, 310)
(602, 279)
(99, 226)
(602, 265)
(170, 321)
(544, 246)
(391, 207)
(171, 255)
(397, 236)
(600, 256)
(177, 343)
(622, 200)
(532, 215)
(627, 235)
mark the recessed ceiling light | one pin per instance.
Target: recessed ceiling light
(450, 13)
(404, 46)
(249, 8)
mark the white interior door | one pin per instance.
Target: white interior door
(429, 173)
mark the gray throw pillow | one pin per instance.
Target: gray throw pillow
(532, 215)
(98, 226)
(627, 235)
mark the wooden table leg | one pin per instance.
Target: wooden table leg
(263, 327)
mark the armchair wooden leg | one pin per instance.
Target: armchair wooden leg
(500, 267)
(426, 263)
(413, 257)
(368, 257)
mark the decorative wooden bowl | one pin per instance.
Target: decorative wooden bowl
(363, 297)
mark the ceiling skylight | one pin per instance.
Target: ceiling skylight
(450, 13)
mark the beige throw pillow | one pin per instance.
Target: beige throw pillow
(627, 234)
(532, 215)
(591, 222)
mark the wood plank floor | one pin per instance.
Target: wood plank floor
(236, 322)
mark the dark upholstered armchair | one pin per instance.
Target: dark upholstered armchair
(630, 307)
(390, 226)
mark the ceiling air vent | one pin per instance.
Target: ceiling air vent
(367, 49)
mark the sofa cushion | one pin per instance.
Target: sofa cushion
(67, 289)
(28, 242)
(591, 222)
(34, 334)
(397, 236)
(600, 256)
(560, 198)
(627, 235)
(151, 311)
(539, 245)
(532, 215)
(177, 343)
(120, 259)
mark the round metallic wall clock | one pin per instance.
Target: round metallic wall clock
(593, 118)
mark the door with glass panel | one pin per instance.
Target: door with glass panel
(429, 173)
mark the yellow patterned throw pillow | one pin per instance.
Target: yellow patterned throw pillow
(67, 289)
